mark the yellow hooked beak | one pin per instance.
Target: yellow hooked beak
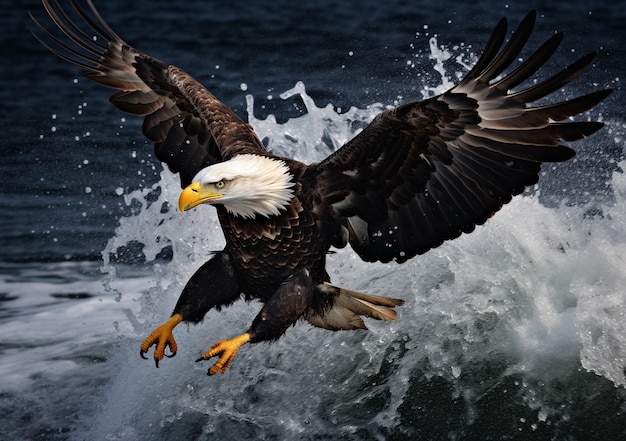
(195, 195)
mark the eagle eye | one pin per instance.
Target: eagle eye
(219, 184)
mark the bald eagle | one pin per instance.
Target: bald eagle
(417, 175)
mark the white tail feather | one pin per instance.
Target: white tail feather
(350, 305)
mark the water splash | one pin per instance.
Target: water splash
(315, 135)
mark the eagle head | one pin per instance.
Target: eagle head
(246, 185)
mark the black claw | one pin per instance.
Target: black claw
(141, 354)
(156, 362)
(200, 359)
(173, 354)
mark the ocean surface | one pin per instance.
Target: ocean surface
(514, 332)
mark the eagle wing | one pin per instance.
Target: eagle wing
(427, 171)
(191, 128)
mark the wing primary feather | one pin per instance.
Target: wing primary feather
(489, 52)
(92, 25)
(555, 82)
(512, 49)
(530, 65)
(68, 49)
(552, 152)
(73, 32)
(542, 116)
(542, 139)
(102, 27)
(566, 109)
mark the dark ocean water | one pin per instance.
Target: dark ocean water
(514, 332)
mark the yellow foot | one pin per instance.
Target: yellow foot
(162, 337)
(226, 349)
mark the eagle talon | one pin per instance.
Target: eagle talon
(163, 338)
(226, 350)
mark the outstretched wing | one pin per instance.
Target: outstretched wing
(191, 128)
(428, 171)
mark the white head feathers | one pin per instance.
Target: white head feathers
(250, 185)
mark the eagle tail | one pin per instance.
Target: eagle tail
(348, 307)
